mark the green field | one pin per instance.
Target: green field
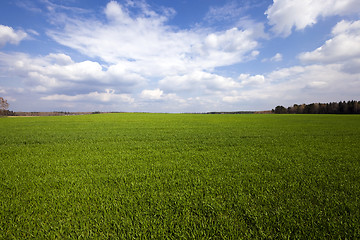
(180, 176)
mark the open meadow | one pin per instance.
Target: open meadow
(180, 176)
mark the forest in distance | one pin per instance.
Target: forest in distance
(342, 107)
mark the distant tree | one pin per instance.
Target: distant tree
(342, 107)
(280, 109)
(312, 108)
(290, 110)
(4, 106)
(356, 107)
(302, 108)
(322, 108)
(350, 107)
(307, 109)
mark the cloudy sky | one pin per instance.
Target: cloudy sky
(177, 56)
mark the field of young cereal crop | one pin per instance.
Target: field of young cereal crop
(180, 176)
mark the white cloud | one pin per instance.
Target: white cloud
(315, 81)
(60, 59)
(42, 83)
(123, 75)
(276, 58)
(56, 72)
(198, 81)
(198, 90)
(283, 15)
(155, 94)
(136, 49)
(116, 13)
(159, 95)
(150, 47)
(8, 35)
(226, 48)
(108, 96)
(255, 53)
(257, 28)
(298, 84)
(82, 71)
(247, 80)
(124, 37)
(344, 46)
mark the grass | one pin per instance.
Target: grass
(180, 176)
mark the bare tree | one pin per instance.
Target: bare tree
(4, 105)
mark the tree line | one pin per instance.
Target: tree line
(342, 107)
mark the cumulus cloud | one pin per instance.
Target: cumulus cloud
(344, 46)
(152, 94)
(247, 80)
(133, 50)
(56, 72)
(230, 46)
(159, 95)
(108, 96)
(9, 35)
(124, 37)
(283, 15)
(59, 59)
(150, 47)
(298, 84)
(198, 81)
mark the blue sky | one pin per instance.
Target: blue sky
(177, 56)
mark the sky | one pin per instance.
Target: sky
(177, 56)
